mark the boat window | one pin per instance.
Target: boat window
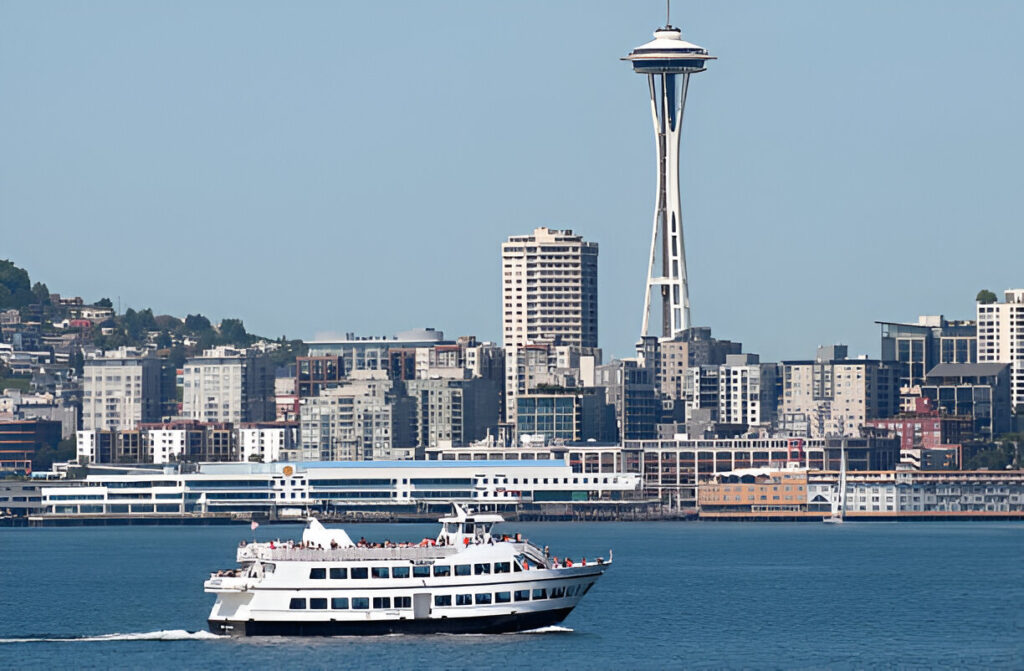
(269, 568)
(541, 593)
(483, 598)
(522, 595)
(403, 602)
(339, 573)
(442, 599)
(502, 597)
(360, 603)
(480, 569)
(297, 604)
(462, 569)
(380, 572)
(463, 599)
(318, 604)
(382, 602)
(557, 592)
(516, 566)
(339, 603)
(420, 571)
(469, 528)
(442, 571)
(400, 572)
(502, 567)
(318, 574)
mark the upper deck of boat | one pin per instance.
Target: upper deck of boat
(264, 552)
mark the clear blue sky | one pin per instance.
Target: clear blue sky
(341, 166)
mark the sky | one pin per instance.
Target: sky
(330, 167)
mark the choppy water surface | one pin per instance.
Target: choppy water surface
(679, 595)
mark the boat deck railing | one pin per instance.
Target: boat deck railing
(265, 553)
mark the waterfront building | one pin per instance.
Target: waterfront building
(365, 419)
(120, 389)
(834, 395)
(800, 493)
(921, 346)
(671, 469)
(1001, 339)
(317, 487)
(454, 411)
(981, 391)
(20, 440)
(226, 384)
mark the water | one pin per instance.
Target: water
(680, 595)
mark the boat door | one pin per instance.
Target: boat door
(421, 606)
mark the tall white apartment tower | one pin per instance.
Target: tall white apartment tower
(668, 62)
(1001, 339)
(120, 389)
(549, 289)
(548, 296)
(228, 385)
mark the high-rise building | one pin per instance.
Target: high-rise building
(668, 62)
(1001, 339)
(549, 298)
(229, 385)
(549, 289)
(120, 389)
(454, 412)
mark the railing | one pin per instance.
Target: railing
(265, 553)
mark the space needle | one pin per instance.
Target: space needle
(668, 61)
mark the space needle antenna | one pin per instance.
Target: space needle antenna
(668, 12)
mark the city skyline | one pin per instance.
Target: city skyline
(812, 203)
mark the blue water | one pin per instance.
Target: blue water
(690, 595)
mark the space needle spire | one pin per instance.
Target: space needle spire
(668, 61)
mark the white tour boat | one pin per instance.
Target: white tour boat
(467, 580)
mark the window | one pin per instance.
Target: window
(318, 604)
(359, 573)
(420, 571)
(502, 567)
(502, 597)
(557, 592)
(382, 602)
(400, 572)
(442, 571)
(317, 574)
(380, 572)
(522, 595)
(339, 603)
(360, 603)
(339, 573)
(297, 604)
(481, 569)
(403, 602)
(442, 599)
(462, 569)
(540, 593)
(483, 598)
(463, 599)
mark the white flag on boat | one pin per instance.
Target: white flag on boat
(254, 525)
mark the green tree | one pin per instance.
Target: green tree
(197, 323)
(985, 297)
(41, 293)
(17, 288)
(47, 454)
(104, 303)
(232, 332)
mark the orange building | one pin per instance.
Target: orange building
(761, 491)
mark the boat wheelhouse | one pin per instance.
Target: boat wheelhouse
(466, 580)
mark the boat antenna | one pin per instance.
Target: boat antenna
(668, 13)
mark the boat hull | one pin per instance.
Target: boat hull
(489, 624)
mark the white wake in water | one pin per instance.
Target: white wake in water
(164, 635)
(553, 629)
